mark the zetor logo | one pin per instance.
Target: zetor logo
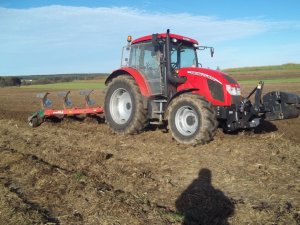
(203, 75)
(59, 112)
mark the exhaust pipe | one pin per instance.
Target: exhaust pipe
(175, 80)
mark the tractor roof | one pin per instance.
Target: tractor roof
(163, 35)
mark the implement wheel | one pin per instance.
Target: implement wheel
(123, 107)
(34, 121)
(191, 119)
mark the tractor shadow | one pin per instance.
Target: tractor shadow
(89, 118)
(202, 204)
(265, 127)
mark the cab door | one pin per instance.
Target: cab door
(146, 59)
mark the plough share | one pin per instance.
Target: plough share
(47, 113)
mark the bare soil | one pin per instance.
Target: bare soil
(78, 172)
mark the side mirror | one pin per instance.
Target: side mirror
(212, 52)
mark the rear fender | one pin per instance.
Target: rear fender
(140, 80)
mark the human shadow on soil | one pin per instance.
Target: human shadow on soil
(202, 204)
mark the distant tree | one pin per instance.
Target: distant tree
(16, 81)
(218, 68)
(2, 82)
(9, 81)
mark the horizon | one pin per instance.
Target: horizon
(103, 73)
(63, 37)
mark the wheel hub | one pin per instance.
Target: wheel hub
(186, 120)
(128, 106)
(190, 120)
(120, 106)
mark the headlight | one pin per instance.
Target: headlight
(233, 90)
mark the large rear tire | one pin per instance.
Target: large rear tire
(191, 119)
(123, 107)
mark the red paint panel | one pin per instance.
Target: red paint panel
(197, 78)
(163, 35)
(73, 111)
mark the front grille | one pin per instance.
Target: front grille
(216, 90)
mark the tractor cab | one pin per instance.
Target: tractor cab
(159, 57)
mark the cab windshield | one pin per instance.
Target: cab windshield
(183, 55)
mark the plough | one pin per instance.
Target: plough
(46, 112)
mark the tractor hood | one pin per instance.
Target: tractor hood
(217, 87)
(210, 74)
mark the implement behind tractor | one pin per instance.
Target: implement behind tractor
(46, 113)
(162, 83)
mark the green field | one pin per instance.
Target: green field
(279, 74)
(75, 85)
(288, 66)
(287, 73)
(272, 81)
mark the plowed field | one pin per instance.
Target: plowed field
(78, 172)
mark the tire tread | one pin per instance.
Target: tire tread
(140, 121)
(209, 122)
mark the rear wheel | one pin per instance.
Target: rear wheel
(123, 108)
(191, 119)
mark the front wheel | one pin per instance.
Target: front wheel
(191, 119)
(123, 108)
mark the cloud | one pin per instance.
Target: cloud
(67, 39)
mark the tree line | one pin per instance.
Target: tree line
(6, 81)
(10, 81)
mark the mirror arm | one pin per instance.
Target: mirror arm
(212, 50)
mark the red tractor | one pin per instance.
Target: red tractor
(162, 83)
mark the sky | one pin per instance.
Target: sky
(82, 36)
